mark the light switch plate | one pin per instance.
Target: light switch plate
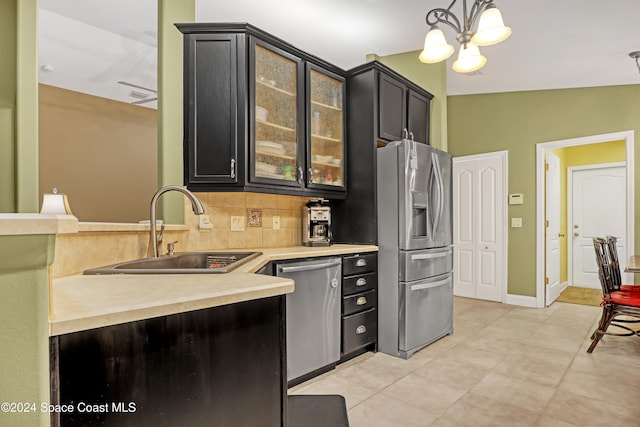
(237, 223)
(276, 222)
(516, 222)
(516, 199)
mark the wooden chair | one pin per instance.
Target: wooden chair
(612, 252)
(615, 303)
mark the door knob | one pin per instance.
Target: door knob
(560, 234)
(576, 234)
(575, 226)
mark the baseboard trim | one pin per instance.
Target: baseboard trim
(522, 300)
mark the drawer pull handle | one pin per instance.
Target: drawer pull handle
(361, 282)
(361, 263)
(361, 329)
(361, 301)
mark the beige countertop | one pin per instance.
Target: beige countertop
(12, 224)
(86, 302)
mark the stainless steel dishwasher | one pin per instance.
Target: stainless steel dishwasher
(313, 315)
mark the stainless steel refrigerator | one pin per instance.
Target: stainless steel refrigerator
(415, 261)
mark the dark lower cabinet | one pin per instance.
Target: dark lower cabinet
(222, 366)
(359, 304)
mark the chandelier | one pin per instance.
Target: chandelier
(636, 56)
(490, 30)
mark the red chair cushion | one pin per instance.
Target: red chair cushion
(629, 288)
(625, 298)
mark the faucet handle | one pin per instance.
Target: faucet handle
(171, 248)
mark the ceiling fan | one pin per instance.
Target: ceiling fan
(143, 98)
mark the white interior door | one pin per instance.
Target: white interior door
(552, 208)
(597, 203)
(479, 223)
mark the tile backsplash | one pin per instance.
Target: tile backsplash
(87, 249)
(257, 211)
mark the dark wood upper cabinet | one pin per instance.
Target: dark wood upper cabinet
(393, 108)
(418, 116)
(213, 98)
(402, 107)
(261, 115)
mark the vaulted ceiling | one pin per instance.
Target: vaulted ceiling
(91, 45)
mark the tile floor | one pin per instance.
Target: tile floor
(503, 366)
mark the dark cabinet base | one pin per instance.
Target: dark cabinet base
(223, 366)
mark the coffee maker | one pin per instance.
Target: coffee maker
(316, 223)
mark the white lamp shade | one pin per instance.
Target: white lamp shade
(491, 28)
(436, 48)
(469, 59)
(55, 204)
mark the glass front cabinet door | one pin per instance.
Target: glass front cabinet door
(277, 157)
(325, 130)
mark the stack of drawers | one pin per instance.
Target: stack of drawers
(359, 302)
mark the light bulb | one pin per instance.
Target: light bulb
(436, 48)
(491, 28)
(469, 59)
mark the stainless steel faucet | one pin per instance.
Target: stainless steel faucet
(195, 204)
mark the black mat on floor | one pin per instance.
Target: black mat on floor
(308, 410)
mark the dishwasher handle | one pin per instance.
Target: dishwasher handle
(309, 266)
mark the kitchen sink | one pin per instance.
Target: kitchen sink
(180, 263)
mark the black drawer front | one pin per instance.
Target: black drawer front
(360, 283)
(359, 330)
(358, 264)
(359, 302)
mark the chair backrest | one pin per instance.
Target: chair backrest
(613, 256)
(605, 270)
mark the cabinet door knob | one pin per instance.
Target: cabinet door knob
(361, 301)
(361, 263)
(310, 172)
(233, 168)
(361, 329)
(361, 281)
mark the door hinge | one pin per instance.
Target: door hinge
(546, 166)
(546, 280)
(546, 222)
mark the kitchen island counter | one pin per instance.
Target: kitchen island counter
(80, 302)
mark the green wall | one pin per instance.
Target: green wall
(24, 323)
(170, 104)
(26, 133)
(8, 46)
(517, 121)
(431, 77)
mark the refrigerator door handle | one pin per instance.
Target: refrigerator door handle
(430, 285)
(437, 175)
(430, 256)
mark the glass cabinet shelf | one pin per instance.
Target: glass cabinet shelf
(327, 138)
(275, 125)
(270, 86)
(330, 107)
